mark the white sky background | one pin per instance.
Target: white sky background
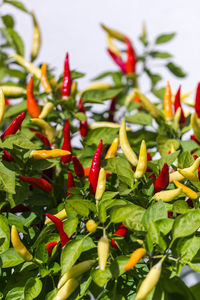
(73, 26)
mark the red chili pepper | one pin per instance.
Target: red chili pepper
(78, 168)
(42, 137)
(40, 183)
(197, 101)
(66, 143)
(83, 124)
(117, 60)
(131, 57)
(7, 102)
(195, 157)
(149, 158)
(50, 247)
(32, 105)
(17, 209)
(190, 203)
(95, 168)
(162, 180)
(70, 182)
(14, 126)
(112, 110)
(59, 224)
(121, 231)
(170, 214)
(177, 104)
(67, 82)
(6, 156)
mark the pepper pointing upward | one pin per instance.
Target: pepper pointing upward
(67, 82)
(168, 103)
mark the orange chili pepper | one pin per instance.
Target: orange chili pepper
(168, 103)
(134, 258)
(44, 79)
(32, 105)
(87, 172)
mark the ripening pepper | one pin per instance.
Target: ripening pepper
(95, 168)
(188, 175)
(186, 190)
(167, 195)
(50, 246)
(47, 154)
(48, 130)
(177, 175)
(42, 137)
(134, 258)
(131, 57)
(118, 61)
(168, 103)
(103, 251)
(195, 126)
(78, 168)
(83, 124)
(121, 231)
(2, 105)
(67, 289)
(61, 215)
(112, 149)
(142, 161)
(112, 109)
(12, 91)
(91, 225)
(101, 184)
(44, 79)
(14, 126)
(32, 105)
(70, 183)
(36, 42)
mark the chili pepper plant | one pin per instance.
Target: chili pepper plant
(91, 204)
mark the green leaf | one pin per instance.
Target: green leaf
(153, 235)
(185, 160)
(164, 144)
(7, 179)
(164, 38)
(189, 145)
(186, 224)
(169, 159)
(195, 289)
(75, 74)
(16, 293)
(10, 258)
(70, 226)
(80, 116)
(4, 234)
(101, 277)
(16, 73)
(98, 96)
(159, 93)
(32, 288)
(79, 205)
(155, 78)
(155, 212)
(187, 248)
(14, 40)
(102, 212)
(130, 215)
(70, 254)
(105, 133)
(122, 168)
(17, 4)
(165, 225)
(176, 70)
(106, 74)
(15, 109)
(140, 118)
(180, 207)
(159, 54)
(18, 139)
(8, 21)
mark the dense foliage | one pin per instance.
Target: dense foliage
(166, 228)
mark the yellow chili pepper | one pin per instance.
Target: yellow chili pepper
(67, 289)
(12, 91)
(2, 105)
(44, 79)
(104, 124)
(98, 86)
(36, 39)
(130, 98)
(46, 154)
(76, 271)
(47, 108)
(142, 161)
(186, 190)
(195, 126)
(168, 103)
(114, 33)
(149, 282)
(27, 65)
(101, 185)
(177, 115)
(91, 225)
(125, 146)
(18, 245)
(103, 252)
(112, 149)
(112, 46)
(60, 215)
(188, 101)
(134, 258)
(150, 107)
(188, 175)
(177, 176)
(168, 195)
(48, 130)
